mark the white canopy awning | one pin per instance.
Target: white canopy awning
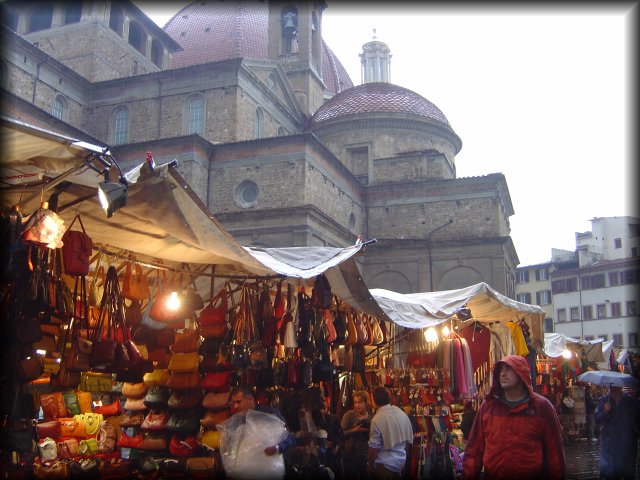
(420, 310)
(556, 343)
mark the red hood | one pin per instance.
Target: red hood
(521, 367)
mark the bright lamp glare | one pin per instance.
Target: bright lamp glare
(112, 196)
(173, 302)
(446, 331)
(41, 352)
(430, 335)
(566, 354)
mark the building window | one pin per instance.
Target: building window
(587, 312)
(561, 313)
(542, 274)
(156, 52)
(543, 297)
(59, 109)
(572, 284)
(73, 12)
(617, 243)
(358, 161)
(616, 309)
(116, 19)
(590, 282)
(633, 339)
(617, 339)
(634, 251)
(523, 276)
(40, 18)
(258, 123)
(631, 307)
(121, 126)
(195, 112)
(137, 37)
(524, 297)
(548, 325)
(628, 277)
(246, 194)
(575, 313)
(558, 286)
(601, 310)
(281, 132)
(614, 279)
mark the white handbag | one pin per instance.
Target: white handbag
(48, 449)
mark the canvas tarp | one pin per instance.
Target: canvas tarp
(420, 310)
(556, 343)
(163, 218)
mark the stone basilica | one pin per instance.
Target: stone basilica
(268, 129)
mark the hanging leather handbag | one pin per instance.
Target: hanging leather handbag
(215, 313)
(155, 421)
(154, 442)
(107, 437)
(184, 447)
(70, 427)
(257, 355)
(213, 331)
(134, 390)
(184, 422)
(48, 428)
(134, 283)
(212, 418)
(156, 398)
(64, 378)
(53, 405)
(48, 449)
(184, 362)
(135, 405)
(67, 448)
(76, 250)
(157, 378)
(185, 399)
(352, 330)
(183, 381)
(110, 409)
(128, 441)
(216, 381)
(96, 382)
(216, 400)
(131, 419)
(88, 446)
(159, 357)
(133, 314)
(92, 422)
(186, 341)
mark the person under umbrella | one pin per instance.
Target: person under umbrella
(617, 415)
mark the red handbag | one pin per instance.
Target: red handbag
(216, 381)
(49, 428)
(155, 421)
(128, 441)
(112, 409)
(216, 312)
(182, 448)
(76, 250)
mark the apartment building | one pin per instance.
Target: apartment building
(533, 286)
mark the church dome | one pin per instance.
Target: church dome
(376, 98)
(225, 29)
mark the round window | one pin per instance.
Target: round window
(246, 194)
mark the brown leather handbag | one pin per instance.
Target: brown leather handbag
(134, 390)
(211, 418)
(53, 405)
(185, 399)
(154, 442)
(186, 341)
(135, 405)
(183, 381)
(68, 448)
(48, 428)
(216, 401)
(157, 378)
(184, 362)
(352, 330)
(131, 419)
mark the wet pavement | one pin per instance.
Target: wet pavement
(582, 459)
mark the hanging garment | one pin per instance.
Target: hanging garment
(478, 338)
(518, 339)
(469, 371)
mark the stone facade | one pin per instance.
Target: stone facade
(389, 176)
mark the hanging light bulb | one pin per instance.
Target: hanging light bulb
(446, 331)
(430, 334)
(566, 354)
(173, 302)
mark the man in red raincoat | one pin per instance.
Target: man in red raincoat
(516, 432)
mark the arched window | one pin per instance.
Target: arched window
(156, 52)
(40, 18)
(59, 108)
(116, 19)
(195, 115)
(121, 126)
(137, 37)
(257, 126)
(281, 132)
(72, 12)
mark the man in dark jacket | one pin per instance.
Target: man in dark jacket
(516, 432)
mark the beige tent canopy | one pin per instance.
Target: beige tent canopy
(420, 310)
(163, 218)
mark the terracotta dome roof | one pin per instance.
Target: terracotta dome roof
(211, 31)
(376, 98)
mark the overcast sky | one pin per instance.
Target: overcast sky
(539, 93)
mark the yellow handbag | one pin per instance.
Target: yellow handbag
(184, 362)
(211, 439)
(91, 422)
(88, 446)
(84, 401)
(157, 378)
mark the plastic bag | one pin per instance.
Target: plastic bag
(244, 438)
